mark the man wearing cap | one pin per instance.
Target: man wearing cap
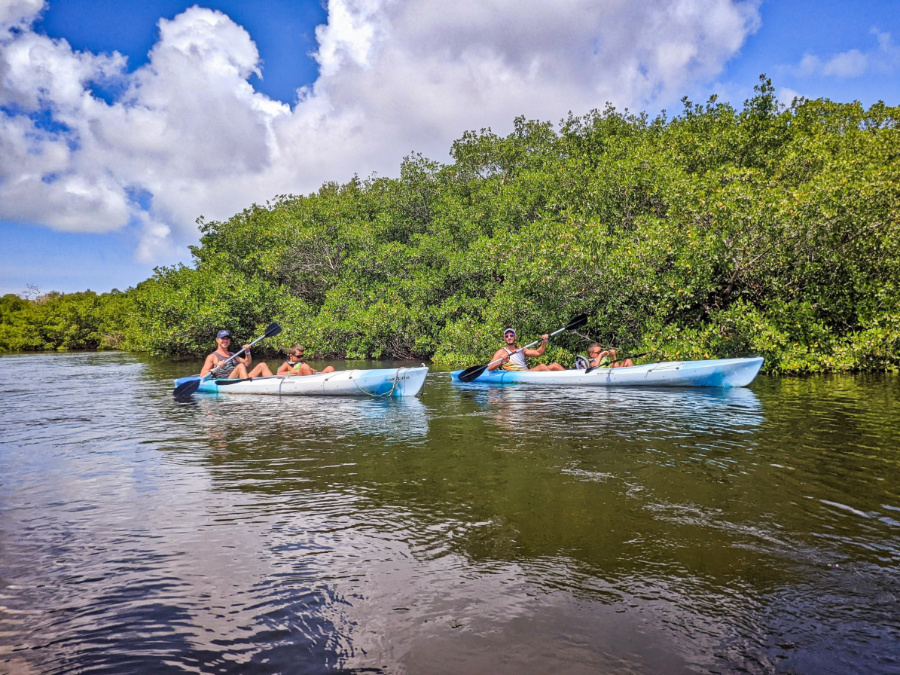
(512, 357)
(236, 368)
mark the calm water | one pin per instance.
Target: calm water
(470, 530)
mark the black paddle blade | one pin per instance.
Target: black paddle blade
(273, 330)
(186, 389)
(577, 322)
(471, 373)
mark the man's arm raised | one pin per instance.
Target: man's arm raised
(540, 350)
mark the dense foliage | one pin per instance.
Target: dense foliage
(64, 321)
(720, 232)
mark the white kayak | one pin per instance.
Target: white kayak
(381, 382)
(708, 373)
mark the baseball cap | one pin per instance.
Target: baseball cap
(223, 333)
(509, 330)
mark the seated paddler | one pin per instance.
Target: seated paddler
(296, 364)
(512, 357)
(606, 358)
(221, 367)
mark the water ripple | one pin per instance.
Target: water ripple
(468, 530)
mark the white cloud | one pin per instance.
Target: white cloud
(190, 135)
(852, 63)
(17, 14)
(884, 59)
(787, 95)
(887, 58)
(849, 64)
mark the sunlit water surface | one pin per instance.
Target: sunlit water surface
(512, 530)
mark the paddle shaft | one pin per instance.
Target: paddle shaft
(234, 356)
(473, 372)
(528, 346)
(630, 356)
(621, 358)
(186, 389)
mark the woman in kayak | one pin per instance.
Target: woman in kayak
(295, 365)
(600, 358)
(512, 357)
(235, 368)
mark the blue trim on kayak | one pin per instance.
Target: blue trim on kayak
(703, 373)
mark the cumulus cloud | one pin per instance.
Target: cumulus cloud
(18, 14)
(786, 95)
(883, 59)
(187, 134)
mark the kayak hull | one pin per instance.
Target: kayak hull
(707, 373)
(380, 382)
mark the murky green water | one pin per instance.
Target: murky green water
(512, 530)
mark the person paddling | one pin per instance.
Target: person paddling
(295, 365)
(512, 357)
(600, 358)
(235, 368)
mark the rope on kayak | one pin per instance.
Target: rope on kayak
(386, 395)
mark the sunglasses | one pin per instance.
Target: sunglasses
(508, 334)
(297, 356)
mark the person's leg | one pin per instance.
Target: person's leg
(328, 369)
(555, 366)
(239, 373)
(539, 366)
(305, 369)
(261, 370)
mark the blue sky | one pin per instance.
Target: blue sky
(121, 123)
(284, 33)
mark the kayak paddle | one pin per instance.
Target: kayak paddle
(186, 389)
(621, 358)
(472, 372)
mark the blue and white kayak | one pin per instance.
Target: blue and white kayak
(382, 382)
(708, 373)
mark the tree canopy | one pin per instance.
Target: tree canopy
(720, 232)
